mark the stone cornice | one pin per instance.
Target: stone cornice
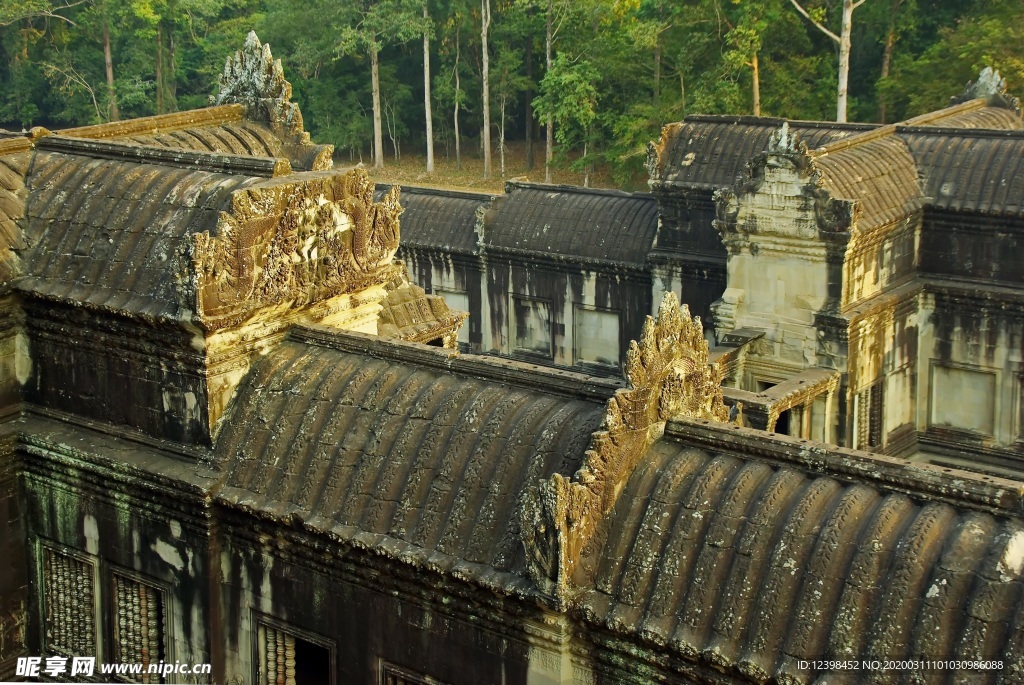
(1000, 496)
(267, 167)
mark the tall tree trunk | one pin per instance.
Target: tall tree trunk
(844, 59)
(890, 43)
(485, 24)
(682, 90)
(378, 134)
(529, 104)
(458, 143)
(171, 82)
(501, 137)
(159, 70)
(843, 41)
(426, 89)
(586, 166)
(657, 70)
(108, 62)
(755, 68)
(549, 150)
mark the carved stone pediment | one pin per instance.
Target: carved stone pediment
(295, 241)
(670, 375)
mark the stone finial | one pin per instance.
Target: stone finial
(253, 78)
(989, 85)
(651, 161)
(785, 142)
(670, 375)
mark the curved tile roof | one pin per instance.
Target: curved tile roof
(14, 161)
(566, 221)
(1000, 118)
(979, 171)
(235, 138)
(880, 174)
(714, 150)
(440, 219)
(108, 232)
(750, 567)
(423, 460)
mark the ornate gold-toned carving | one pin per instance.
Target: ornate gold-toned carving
(670, 375)
(297, 241)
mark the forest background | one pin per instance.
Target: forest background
(575, 84)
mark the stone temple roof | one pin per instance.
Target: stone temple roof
(723, 548)
(573, 222)
(879, 174)
(965, 157)
(532, 220)
(408, 313)
(971, 171)
(14, 162)
(712, 151)
(408, 449)
(445, 220)
(222, 129)
(749, 566)
(194, 217)
(121, 239)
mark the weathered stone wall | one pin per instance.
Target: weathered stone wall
(15, 361)
(458, 278)
(544, 311)
(116, 370)
(362, 609)
(14, 579)
(969, 384)
(119, 517)
(537, 311)
(688, 258)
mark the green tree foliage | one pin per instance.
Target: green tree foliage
(620, 69)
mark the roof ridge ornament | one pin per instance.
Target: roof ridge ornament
(670, 375)
(785, 142)
(255, 80)
(989, 85)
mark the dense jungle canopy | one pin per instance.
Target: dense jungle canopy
(607, 74)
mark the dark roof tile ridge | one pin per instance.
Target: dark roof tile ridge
(441, 192)
(566, 188)
(891, 129)
(528, 376)
(961, 132)
(150, 154)
(993, 494)
(159, 123)
(775, 122)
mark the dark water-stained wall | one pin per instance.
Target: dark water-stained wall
(457, 277)
(118, 371)
(565, 291)
(364, 611)
(121, 520)
(14, 578)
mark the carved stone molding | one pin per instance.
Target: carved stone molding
(294, 241)
(670, 375)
